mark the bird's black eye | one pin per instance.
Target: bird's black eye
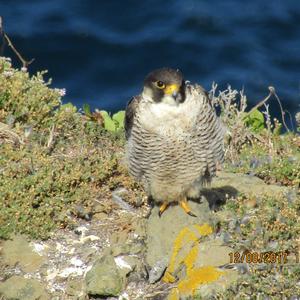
(160, 84)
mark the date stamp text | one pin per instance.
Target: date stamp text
(270, 257)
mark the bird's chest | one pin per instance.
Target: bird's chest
(167, 121)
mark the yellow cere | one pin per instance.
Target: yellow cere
(194, 276)
(170, 89)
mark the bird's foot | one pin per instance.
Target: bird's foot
(162, 208)
(184, 204)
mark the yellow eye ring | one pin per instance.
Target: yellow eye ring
(160, 84)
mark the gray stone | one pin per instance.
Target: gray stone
(213, 253)
(18, 251)
(249, 185)
(158, 270)
(130, 248)
(162, 231)
(75, 288)
(104, 279)
(20, 288)
(292, 196)
(245, 220)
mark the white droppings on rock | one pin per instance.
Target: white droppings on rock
(121, 263)
(95, 247)
(74, 271)
(59, 246)
(39, 248)
(89, 238)
(87, 269)
(72, 250)
(124, 296)
(51, 274)
(76, 262)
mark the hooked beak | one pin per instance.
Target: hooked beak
(175, 95)
(172, 89)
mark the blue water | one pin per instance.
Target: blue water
(100, 51)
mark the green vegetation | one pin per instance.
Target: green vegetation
(255, 121)
(54, 162)
(112, 123)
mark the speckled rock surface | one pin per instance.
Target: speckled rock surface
(20, 251)
(104, 279)
(20, 288)
(250, 185)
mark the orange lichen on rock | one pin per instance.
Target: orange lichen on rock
(185, 236)
(204, 229)
(194, 276)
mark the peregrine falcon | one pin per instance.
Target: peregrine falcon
(174, 138)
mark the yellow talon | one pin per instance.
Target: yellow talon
(184, 204)
(162, 208)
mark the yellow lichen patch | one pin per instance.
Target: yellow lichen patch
(204, 229)
(168, 277)
(191, 258)
(194, 276)
(185, 236)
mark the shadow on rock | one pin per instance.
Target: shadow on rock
(217, 197)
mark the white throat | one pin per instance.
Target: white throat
(168, 117)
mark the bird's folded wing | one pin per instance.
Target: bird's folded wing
(130, 114)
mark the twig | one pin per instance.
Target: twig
(272, 92)
(8, 134)
(24, 62)
(50, 140)
(269, 128)
(291, 119)
(282, 112)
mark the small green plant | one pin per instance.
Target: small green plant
(114, 123)
(110, 123)
(256, 121)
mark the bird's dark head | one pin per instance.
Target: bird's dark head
(165, 85)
